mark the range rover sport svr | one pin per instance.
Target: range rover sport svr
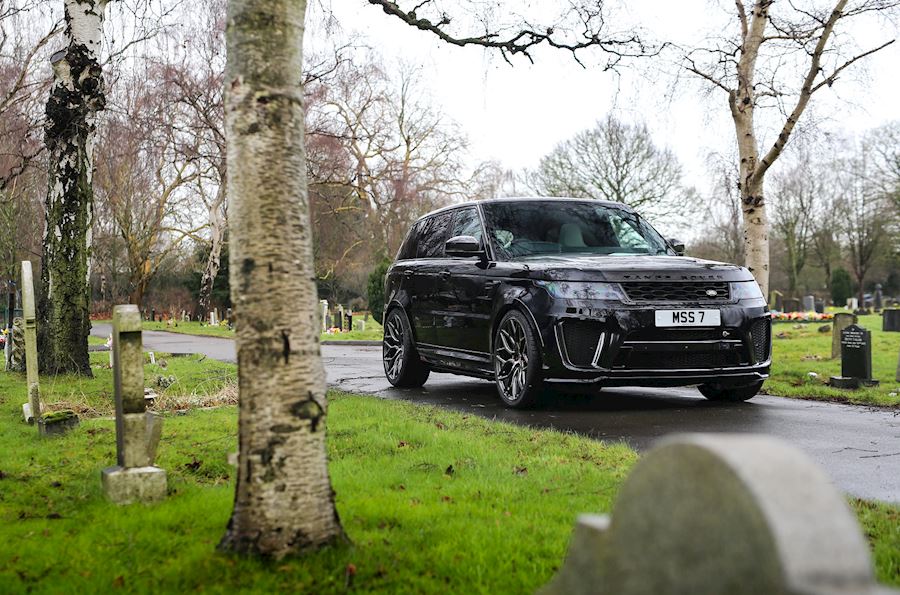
(530, 291)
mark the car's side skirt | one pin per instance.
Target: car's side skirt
(457, 361)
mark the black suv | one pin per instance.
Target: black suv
(527, 291)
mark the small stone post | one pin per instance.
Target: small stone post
(134, 478)
(31, 409)
(323, 306)
(841, 321)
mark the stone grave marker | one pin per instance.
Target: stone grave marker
(775, 300)
(878, 298)
(708, 514)
(853, 304)
(16, 341)
(841, 321)
(856, 359)
(340, 320)
(134, 478)
(890, 321)
(31, 409)
(791, 305)
(809, 303)
(323, 312)
(820, 306)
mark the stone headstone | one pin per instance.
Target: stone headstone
(878, 297)
(323, 314)
(349, 316)
(853, 304)
(340, 318)
(820, 306)
(809, 303)
(775, 300)
(17, 345)
(134, 478)
(745, 514)
(841, 321)
(856, 358)
(890, 321)
(32, 409)
(791, 305)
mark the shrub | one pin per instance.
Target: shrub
(375, 290)
(841, 287)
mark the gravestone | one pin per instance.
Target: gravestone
(890, 321)
(841, 321)
(820, 306)
(349, 316)
(856, 359)
(340, 318)
(791, 305)
(134, 478)
(775, 300)
(878, 298)
(323, 312)
(809, 303)
(31, 409)
(17, 345)
(853, 304)
(743, 514)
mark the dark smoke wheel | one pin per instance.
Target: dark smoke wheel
(517, 361)
(402, 364)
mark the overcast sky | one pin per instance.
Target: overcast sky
(516, 114)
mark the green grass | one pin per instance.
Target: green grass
(190, 380)
(373, 332)
(800, 348)
(434, 502)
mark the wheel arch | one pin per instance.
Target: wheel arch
(515, 304)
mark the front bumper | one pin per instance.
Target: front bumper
(620, 345)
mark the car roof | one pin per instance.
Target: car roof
(483, 201)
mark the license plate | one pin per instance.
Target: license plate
(688, 318)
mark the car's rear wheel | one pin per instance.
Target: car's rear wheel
(402, 364)
(719, 392)
(517, 362)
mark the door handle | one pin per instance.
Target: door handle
(445, 274)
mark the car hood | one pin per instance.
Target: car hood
(581, 267)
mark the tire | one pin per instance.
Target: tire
(402, 365)
(517, 362)
(734, 394)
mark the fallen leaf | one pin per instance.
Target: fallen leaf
(193, 465)
(446, 499)
(521, 470)
(402, 443)
(450, 470)
(119, 581)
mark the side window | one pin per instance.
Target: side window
(408, 249)
(627, 235)
(432, 235)
(466, 222)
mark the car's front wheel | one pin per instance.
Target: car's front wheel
(718, 392)
(402, 364)
(517, 362)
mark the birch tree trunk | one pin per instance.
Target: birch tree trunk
(216, 235)
(284, 503)
(72, 107)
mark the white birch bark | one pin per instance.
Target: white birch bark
(72, 107)
(284, 503)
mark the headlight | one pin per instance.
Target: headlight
(746, 290)
(580, 290)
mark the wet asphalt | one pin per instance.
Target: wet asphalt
(858, 446)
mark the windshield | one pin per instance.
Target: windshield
(520, 228)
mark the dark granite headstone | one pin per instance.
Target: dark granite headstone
(856, 355)
(820, 306)
(791, 305)
(890, 321)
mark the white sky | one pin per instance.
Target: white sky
(517, 114)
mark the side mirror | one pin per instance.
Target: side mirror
(677, 246)
(463, 246)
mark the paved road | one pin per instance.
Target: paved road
(858, 446)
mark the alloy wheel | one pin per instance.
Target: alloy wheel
(393, 347)
(511, 359)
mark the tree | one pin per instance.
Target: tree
(375, 290)
(283, 502)
(865, 214)
(753, 69)
(75, 99)
(613, 161)
(841, 287)
(796, 191)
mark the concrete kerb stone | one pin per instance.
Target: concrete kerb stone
(709, 514)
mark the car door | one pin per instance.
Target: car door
(425, 277)
(463, 317)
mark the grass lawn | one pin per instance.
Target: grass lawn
(434, 502)
(373, 331)
(800, 348)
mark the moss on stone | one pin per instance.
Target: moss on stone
(55, 417)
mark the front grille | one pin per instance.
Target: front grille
(677, 291)
(761, 331)
(687, 360)
(581, 337)
(676, 335)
